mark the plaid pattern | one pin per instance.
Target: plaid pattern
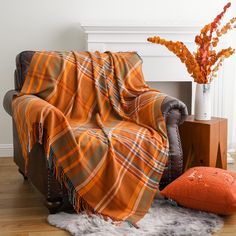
(101, 127)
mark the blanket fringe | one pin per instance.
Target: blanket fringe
(81, 205)
(78, 202)
(35, 135)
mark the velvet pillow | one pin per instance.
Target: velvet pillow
(206, 189)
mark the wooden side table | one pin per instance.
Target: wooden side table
(204, 142)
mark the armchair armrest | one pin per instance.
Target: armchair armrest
(174, 110)
(7, 101)
(163, 113)
(37, 121)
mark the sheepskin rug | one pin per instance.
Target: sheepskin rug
(163, 218)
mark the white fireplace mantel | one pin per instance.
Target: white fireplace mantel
(106, 37)
(158, 63)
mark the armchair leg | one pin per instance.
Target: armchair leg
(23, 174)
(58, 204)
(53, 205)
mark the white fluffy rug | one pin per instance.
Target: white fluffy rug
(162, 219)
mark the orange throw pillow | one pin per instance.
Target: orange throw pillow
(206, 189)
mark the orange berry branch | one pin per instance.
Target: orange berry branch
(203, 64)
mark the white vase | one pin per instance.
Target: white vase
(202, 102)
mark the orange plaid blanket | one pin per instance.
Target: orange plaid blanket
(101, 127)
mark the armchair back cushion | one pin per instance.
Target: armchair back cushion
(23, 61)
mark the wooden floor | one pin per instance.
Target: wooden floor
(22, 212)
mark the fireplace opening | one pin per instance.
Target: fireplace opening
(181, 90)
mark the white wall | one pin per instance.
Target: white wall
(54, 25)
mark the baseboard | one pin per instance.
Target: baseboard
(6, 150)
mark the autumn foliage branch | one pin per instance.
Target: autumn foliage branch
(203, 64)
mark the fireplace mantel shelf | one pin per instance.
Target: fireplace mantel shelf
(133, 29)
